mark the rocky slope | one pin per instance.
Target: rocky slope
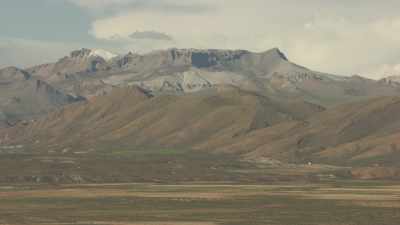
(224, 119)
(180, 71)
(357, 134)
(131, 117)
(23, 97)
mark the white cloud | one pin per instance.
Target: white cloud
(335, 43)
(212, 28)
(99, 4)
(388, 28)
(387, 70)
(115, 6)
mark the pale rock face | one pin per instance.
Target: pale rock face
(192, 80)
(11, 74)
(189, 70)
(23, 96)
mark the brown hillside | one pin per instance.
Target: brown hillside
(225, 119)
(364, 133)
(129, 117)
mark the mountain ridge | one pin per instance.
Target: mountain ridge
(23, 97)
(180, 71)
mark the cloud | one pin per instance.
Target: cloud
(387, 28)
(118, 6)
(344, 43)
(387, 70)
(100, 4)
(152, 35)
(187, 28)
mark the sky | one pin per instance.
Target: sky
(343, 37)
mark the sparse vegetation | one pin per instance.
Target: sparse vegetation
(202, 204)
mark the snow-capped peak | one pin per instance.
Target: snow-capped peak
(106, 55)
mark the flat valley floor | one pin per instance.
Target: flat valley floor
(339, 203)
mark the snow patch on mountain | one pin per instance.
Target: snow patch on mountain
(106, 55)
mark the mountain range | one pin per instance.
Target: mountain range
(260, 107)
(180, 71)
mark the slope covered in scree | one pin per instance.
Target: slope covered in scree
(22, 97)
